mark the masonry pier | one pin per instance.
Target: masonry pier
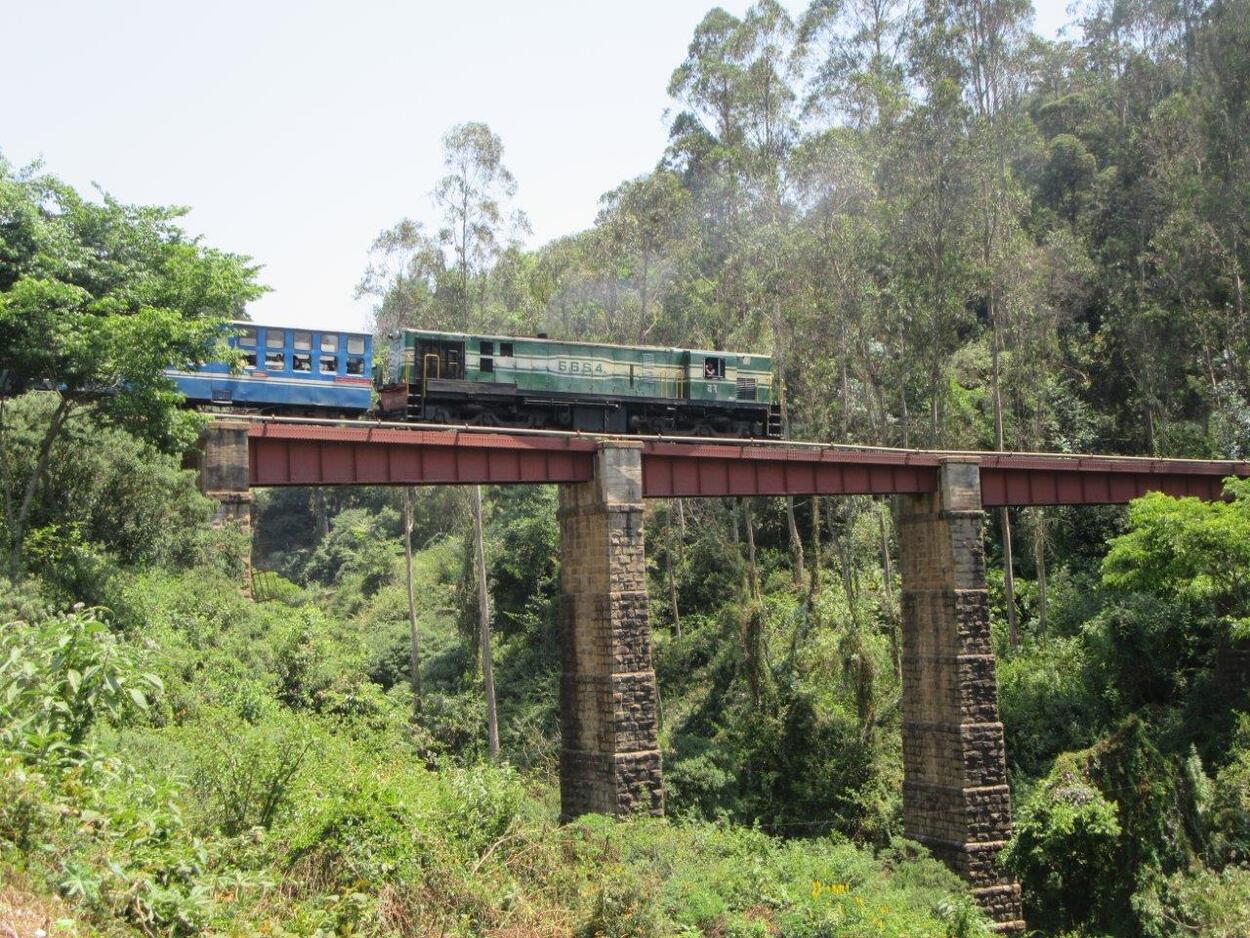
(610, 755)
(225, 477)
(955, 795)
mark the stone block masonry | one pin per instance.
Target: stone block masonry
(609, 756)
(955, 795)
(225, 477)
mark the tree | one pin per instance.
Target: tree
(483, 615)
(96, 299)
(414, 637)
(641, 220)
(405, 271)
(473, 198)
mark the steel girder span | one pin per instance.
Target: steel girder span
(309, 453)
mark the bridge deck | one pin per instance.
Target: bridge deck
(310, 452)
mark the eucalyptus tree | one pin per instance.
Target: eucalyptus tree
(643, 223)
(405, 271)
(979, 44)
(859, 51)
(474, 196)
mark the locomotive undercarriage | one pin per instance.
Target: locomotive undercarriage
(649, 416)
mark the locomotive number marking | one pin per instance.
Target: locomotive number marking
(579, 368)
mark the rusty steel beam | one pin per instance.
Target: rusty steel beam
(317, 454)
(325, 453)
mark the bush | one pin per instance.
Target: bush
(58, 677)
(246, 773)
(1065, 849)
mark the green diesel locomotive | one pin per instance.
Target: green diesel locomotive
(540, 383)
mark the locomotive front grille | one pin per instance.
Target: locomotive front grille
(746, 389)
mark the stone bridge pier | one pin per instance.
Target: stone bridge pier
(955, 795)
(225, 473)
(610, 753)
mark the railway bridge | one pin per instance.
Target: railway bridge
(955, 793)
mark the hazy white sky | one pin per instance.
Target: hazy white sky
(297, 131)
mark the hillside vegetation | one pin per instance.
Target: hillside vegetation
(948, 232)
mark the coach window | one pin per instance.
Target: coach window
(247, 343)
(329, 354)
(301, 357)
(505, 349)
(355, 365)
(714, 369)
(488, 348)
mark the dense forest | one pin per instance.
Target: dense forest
(949, 232)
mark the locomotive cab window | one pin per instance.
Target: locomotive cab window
(488, 348)
(714, 369)
(505, 349)
(487, 365)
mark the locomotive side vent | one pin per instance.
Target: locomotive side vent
(746, 389)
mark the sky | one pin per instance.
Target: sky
(296, 131)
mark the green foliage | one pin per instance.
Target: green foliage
(1064, 851)
(97, 298)
(1198, 902)
(1184, 548)
(246, 770)
(58, 677)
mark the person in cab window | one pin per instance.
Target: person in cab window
(709, 369)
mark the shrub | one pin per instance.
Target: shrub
(245, 773)
(58, 676)
(1065, 849)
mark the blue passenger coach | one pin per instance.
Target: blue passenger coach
(286, 369)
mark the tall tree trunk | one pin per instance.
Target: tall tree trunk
(674, 548)
(887, 576)
(796, 542)
(1004, 518)
(483, 615)
(1039, 559)
(321, 516)
(813, 589)
(17, 526)
(753, 576)
(414, 639)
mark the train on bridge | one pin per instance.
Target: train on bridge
(489, 380)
